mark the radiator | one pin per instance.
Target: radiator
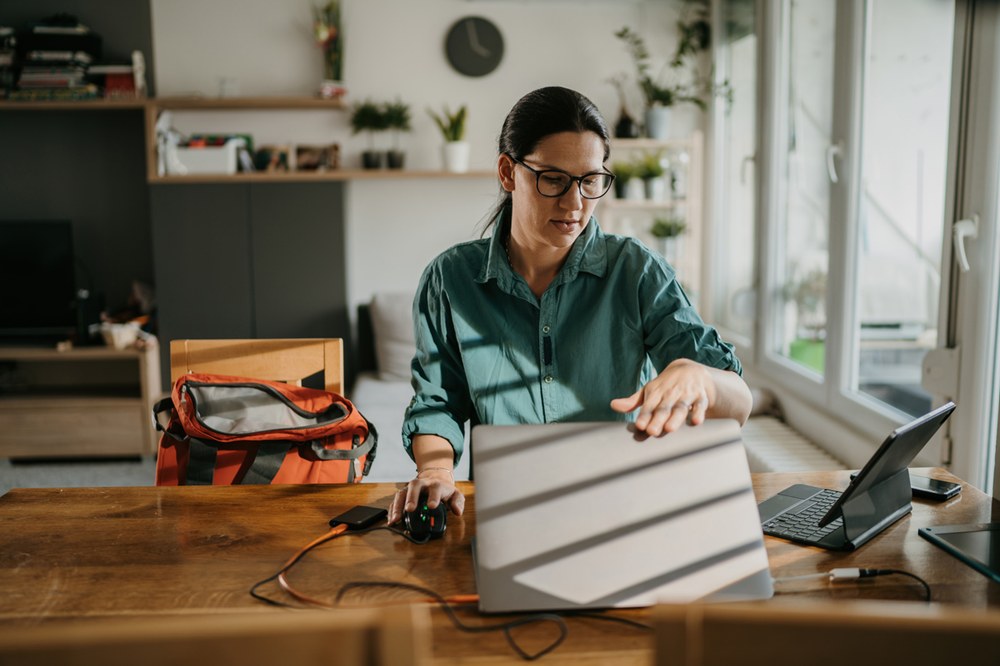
(772, 446)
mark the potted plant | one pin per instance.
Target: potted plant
(456, 149)
(624, 172)
(659, 97)
(808, 292)
(327, 30)
(397, 116)
(652, 170)
(669, 230)
(369, 117)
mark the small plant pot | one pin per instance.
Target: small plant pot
(656, 188)
(371, 159)
(456, 156)
(394, 159)
(672, 248)
(658, 122)
(635, 190)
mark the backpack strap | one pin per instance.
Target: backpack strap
(201, 463)
(265, 464)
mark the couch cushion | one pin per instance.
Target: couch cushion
(392, 323)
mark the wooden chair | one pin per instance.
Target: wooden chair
(796, 632)
(290, 360)
(388, 636)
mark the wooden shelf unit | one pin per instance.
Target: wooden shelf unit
(89, 401)
(633, 217)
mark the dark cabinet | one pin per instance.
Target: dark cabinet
(250, 260)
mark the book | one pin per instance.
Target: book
(81, 57)
(78, 29)
(110, 69)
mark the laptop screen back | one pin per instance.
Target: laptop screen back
(594, 515)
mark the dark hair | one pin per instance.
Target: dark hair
(539, 114)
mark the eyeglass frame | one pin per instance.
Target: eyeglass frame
(578, 179)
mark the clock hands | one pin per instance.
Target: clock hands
(474, 44)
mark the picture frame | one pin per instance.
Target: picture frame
(273, 158)
(317, 157)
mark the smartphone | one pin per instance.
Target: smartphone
(359, 517)
(933, 488)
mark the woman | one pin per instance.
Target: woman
(550, 318)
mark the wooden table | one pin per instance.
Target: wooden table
(99, 552)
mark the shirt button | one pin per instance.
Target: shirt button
(546, 328)
(548, 379)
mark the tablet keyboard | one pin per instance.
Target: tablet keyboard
(801, 523)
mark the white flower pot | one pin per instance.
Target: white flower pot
(658, 122)
(635, 189)
(456, 156)
(656, 188)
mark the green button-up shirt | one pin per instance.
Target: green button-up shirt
(489, 351)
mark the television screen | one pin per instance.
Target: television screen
(37, 278)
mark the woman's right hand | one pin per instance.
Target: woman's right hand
(437, 483)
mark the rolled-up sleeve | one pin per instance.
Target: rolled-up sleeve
(441, 403)
(674, 329)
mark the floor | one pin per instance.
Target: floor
(76, 473)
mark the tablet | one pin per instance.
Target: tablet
(978, 545)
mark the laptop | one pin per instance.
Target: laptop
(877, 497)
(597, 515)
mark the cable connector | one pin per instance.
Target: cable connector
(853, 573)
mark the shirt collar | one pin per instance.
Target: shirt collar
(589, 254)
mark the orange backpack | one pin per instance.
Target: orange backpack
(233, 430)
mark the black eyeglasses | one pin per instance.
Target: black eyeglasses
(555, 183)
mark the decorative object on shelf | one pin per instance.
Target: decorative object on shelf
(456, 149)
(670, 231)
(679, 174)
(272, 158)
(328, 32)
(370, 117)
(398, 120)
(624, 172)
(474, 46)
(626, 127)
(652, 171)
(317, 158)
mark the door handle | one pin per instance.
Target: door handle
(832, 152)
(965, 228)
(749, 159)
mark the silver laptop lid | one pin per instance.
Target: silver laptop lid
(593, 515)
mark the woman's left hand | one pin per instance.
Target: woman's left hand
(684, 390)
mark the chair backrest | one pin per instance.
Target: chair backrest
(290, 360)
(386, 636)
(790, 633)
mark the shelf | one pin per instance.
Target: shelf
(644, 204)
(78, 402)
(79, 354)
(246, 103)
(74, 105)
(318, 176)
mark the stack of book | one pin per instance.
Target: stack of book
(7, 77)
(55, 55)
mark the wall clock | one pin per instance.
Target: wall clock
(474, 46)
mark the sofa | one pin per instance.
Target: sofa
(381, 389)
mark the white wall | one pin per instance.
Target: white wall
(396, 48)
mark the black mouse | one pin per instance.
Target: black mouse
(425, 523)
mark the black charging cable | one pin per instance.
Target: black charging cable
(447, 606)
(854, 573)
